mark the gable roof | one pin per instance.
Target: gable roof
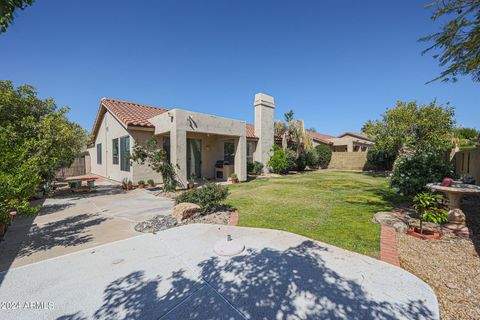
(356, 135)
(136, 114)
(325, 138)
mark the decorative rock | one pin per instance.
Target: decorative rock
(456, 216)
(390, 219)
(185, 210)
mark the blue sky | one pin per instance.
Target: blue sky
(335, 63)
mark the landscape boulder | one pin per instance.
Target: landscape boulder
(185, 210)
(390, 219)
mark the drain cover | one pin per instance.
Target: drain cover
(228, 247)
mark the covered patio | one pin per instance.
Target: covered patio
(197, 142)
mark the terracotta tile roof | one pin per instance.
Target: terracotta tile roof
(136, 114)
(251, 131)
(356, 135)
(325, 138)
(131, 113)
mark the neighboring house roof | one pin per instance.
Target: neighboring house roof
(136, 114)
(356, 135)
(325, 138)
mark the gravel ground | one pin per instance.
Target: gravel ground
(160, 223)
(451, 266)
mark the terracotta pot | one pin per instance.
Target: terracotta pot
(129, 187)
(151, 185)
(234, 181)
(426, 234)
(190, 186)
(141, 186)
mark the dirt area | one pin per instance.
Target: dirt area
(451, 266)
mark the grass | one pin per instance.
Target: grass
(335, 207)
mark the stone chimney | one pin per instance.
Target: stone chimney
(264, 126)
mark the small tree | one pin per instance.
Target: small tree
(428, 207)
(278, 161)
(157, 159)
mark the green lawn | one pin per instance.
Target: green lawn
(335, 207)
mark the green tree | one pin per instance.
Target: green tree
(457, 45)
(36, 139)
(426, 128)
(8, 9)
(466, 136)
(294, 137)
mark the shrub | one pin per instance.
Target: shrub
(150, 182)
(278, 161)
(208, 197)
(428, 207)
(141, 182)
(380, 160)
(324, 155)
(301, 161)
(250, 167)
(291, 160)
(257, 167)
(233, 176)
(312, 159)
(412, 172)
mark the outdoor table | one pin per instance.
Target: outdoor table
(455, 194)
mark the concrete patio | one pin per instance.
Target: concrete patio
(73, 222)
(176, 275)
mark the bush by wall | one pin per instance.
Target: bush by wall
(380, 160)
(208, 197)
(412, 172)
(324, 155)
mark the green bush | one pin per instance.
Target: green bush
(312, 159)
(141, 182)
(429, 207)
(291, 159)
(411, 173)
(278, 161)
(150, 182)
(380, 160)
(255, 167)
(250, 167)
(324, 155)
(208, 197)
(301, 161)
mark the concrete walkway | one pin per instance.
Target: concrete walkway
(176, 275)
(77, 221)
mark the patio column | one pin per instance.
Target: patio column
(241, 158)
(178, 153)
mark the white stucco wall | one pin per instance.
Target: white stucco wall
(182, 124)
(110, 128)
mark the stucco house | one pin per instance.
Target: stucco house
(201, 145)
(346, 142)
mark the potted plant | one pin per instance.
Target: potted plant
(124, 183)
(430, 209)
(151, 183)
(141, 184)
(191, 182)
(233, 178)
(91, 184)
(129, 185)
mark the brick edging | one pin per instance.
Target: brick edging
(388, 246)
(233, 218)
